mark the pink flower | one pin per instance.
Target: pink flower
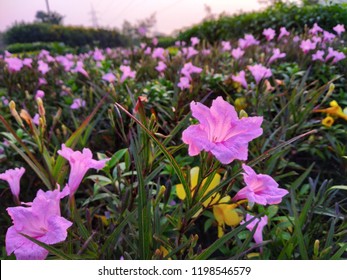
(307, 45)
(159, 53)
(248, 41)
(328, 37)
(260, 188)
(160, 67)
(334, 54)
(269, 33)
(237, 53)
(184, 83)
(142, 30)
(43, 67)
(127, 73)
(315, 29)
(155, 41)
(260, 223)
(189, 52)
(27, 62)
(13, 176)
(318, 56)
(205, 52)
(77, 103)
(194, 41)
(42, 81)
(80, 163)
(259, 72)
(109, 77)
(98, 56)
(220, 131)
(80, 69)
(189, 69)
(148, 51)
(39, 94)
(226, 46)
(276, 55)
(283, 32)
(339, 29)
(14, 64)
(36, 119)
(241, 79)
(42, 221)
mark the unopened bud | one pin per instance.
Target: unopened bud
(14, 112)
(243, 114)
(26, 117)
(316, 247)
(42, 111)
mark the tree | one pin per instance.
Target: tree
(51, 18)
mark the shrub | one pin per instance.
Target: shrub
(71, 36)
(54, 47)
(290, 16)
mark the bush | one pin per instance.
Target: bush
(290, 16)
(71, 36)
(54, 47)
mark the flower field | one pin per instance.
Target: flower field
(231, 150)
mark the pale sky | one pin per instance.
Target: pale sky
(170, 14)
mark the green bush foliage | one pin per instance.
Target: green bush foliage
(290, 16)
(53, 47)
(71, 36)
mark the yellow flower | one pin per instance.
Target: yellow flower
(334, 110)
(194, 176)
(226, 214)
(328, 121)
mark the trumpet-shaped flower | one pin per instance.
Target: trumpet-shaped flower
(189, 69)
(260, 188)
(259, 72)
(307, 45)
(161, 67)
(43, 67)
(159, 53)
(283, 32)
(339, 29)
(269, 33)
(41, 221)
(194, 41)
(127, 73)
(225, 213)
(226, 46)
(276, 55)
(80, 163)
(184, 83)
(13, 176)
(247, 41)
(318, 56)
(262, 222)
(220, 131)
(237, 53)
(315, 29)
(189, 52)
(14, 64)
(194, 177)
(109, 77)
(241, 79)
(78, 103)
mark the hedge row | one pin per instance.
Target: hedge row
(290, 16)
(70, 36)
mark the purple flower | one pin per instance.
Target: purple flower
(283, 32)
(269, 33)
(339, 29)
(80, 163)
(42, 81)
(98, 56)
(189, 52)
(13, 176)
(43, 67)
(109, 77)
(36, 119)
(27, 62)
(307, 45)
(328, 37)
(148, 51)
(184, 83)
(205, 52)
(262, 222)
(127, 73)
(77, 103)
(159, 53)
(241, 79)
(318, 56)
(248, 41)
(142, 30)
(14, 64)
(260, 188)
(39, 94)
(237, 53)
(41, 221)
(334, 54)
(161, 67)
(80, 69)
(194, 41)
(220, 131)
(276, 55)
(259, 72)
(226, 46)
(155, 41)
(189, 69)
(315, 29)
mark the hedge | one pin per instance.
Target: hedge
(290, 16)
(70, 36)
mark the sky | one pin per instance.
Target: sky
(170, 14)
